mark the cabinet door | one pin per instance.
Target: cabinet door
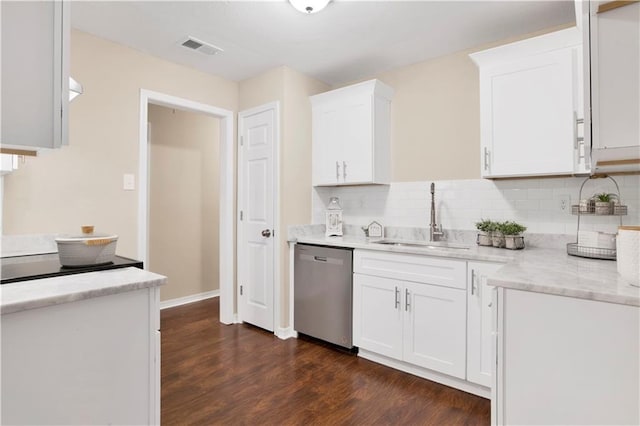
(327, 154)
(377, 315)
(435, 327)
(567, 361)
(357, 140)
(479, 323)
(528, 115)
(35, 49)
(615, 66)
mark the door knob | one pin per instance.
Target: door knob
(266, 233)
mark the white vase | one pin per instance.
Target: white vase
(484, 239)
(514, 242)
(603, 207)
(497, 239)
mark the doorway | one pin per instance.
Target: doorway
(183, 203)
(226, 189)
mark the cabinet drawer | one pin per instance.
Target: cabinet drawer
(411, 267)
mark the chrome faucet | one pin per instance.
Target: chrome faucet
(435, 231)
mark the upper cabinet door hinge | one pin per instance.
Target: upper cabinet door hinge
(241, 140)
(240, 290)
(241, 215)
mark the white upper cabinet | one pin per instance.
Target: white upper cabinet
(531, 108)
(35, 74)
(352, 135)
(614, 56)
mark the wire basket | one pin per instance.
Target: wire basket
(591, 252)
(617, 210)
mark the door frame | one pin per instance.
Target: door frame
(227, 181)
(275, 106)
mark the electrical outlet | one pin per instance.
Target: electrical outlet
(565, 203)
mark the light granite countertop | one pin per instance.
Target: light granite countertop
(541, 270)
(34, 294)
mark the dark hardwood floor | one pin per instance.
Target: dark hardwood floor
(239, 374)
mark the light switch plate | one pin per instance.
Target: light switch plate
(128, 182)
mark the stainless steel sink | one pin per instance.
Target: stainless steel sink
(422, 244)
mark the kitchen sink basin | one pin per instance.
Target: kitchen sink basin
(423, 244)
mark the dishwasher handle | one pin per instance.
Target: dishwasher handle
(321, 259)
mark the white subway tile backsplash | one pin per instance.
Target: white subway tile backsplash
(539, 193)
(460, 203)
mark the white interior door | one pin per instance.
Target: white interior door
(257, 202)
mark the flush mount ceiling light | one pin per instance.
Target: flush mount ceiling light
(309, 6)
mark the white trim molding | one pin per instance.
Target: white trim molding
(227, 178)
(189, 299)
(285, 333)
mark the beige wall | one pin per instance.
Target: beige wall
(292, 89)
(184, 181)
(82, 183)
(435, 116)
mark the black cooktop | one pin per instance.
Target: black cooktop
(24, 268)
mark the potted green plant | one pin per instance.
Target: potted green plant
(485, 227)
(497, 237)
(512, 232)
(604, 203)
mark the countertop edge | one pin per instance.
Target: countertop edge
(566, 292)
(521, 269)
(26, 295)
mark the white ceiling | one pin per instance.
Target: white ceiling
(347, 41)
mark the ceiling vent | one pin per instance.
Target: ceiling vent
(201, 46)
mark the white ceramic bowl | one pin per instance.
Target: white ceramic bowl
(87, 250)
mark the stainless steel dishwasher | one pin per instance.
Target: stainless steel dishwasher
(323, 293)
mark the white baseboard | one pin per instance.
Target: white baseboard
(189, 299)
(425, 373)
(285, 333)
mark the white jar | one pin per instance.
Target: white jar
(628, 254)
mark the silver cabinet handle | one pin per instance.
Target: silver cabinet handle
(337, 171)
(486, 159)
(578, 143)
(577, 139)
(397, 305)
(266, 233)
(407, 303)
(344, 170)
(473, 281)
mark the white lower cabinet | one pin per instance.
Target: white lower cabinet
(377, 317)
(91, 361)
(480, 354)
(434, 328)
(566, 361)
(417, 322)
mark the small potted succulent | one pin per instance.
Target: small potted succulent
(604, 203)
(485, 227)
(512, 232)
(497, 237)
